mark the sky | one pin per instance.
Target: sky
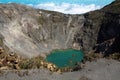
(64, 6)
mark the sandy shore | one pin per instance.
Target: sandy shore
(101, 69)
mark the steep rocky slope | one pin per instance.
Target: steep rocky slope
(108, 36)
(101, 30)
(31, 32)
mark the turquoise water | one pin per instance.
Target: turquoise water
(65, 58)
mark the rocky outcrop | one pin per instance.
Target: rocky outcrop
(101, 30)
(31, 32)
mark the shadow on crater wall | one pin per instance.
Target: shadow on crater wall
(108, 40)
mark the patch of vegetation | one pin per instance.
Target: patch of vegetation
(41, 20)
(91, 56)
(1, 41)
(31, 63)
(115, 56)
(13, 61)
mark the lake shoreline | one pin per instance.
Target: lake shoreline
(89, 72)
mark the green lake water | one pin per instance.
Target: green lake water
(65, 58)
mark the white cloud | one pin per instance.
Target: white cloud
(67, 8)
